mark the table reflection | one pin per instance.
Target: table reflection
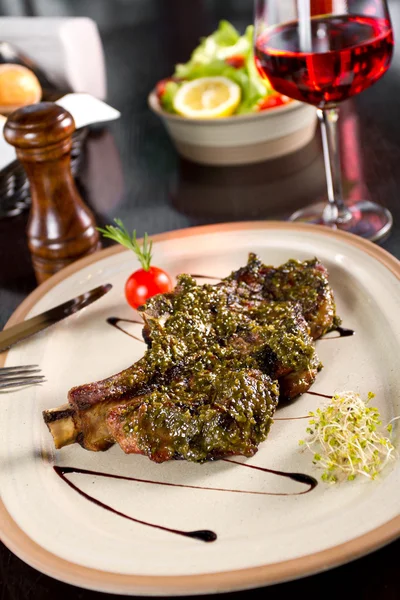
(267, 190)
(272, 189)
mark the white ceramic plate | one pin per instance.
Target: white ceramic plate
(261, 538)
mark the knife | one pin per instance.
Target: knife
(23, 330)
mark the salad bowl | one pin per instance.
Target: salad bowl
(260, 124)
(240, 139)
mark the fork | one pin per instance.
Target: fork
(15, 377)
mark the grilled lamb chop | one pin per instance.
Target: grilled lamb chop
(303, 282)
(236, 320)
(274, 340)
(202, 415)
(183, 323)
(243, 305)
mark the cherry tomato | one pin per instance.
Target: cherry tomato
(272, 101)
(161, 85)
(235, 61)
(142, 285)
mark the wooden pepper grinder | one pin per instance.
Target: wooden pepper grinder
(61, 228)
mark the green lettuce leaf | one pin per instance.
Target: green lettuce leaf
(254, 88)
(209, 59)
(226, 34)
(213, 68)
(225, 41)
(167, 99)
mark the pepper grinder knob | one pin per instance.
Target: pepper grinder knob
(61, 228)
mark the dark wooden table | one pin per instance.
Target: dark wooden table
(131, 170)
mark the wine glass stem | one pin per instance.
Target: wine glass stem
(336, 211)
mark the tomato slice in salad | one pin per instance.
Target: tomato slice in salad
(237, 61)
(272, 101)
(161, 85)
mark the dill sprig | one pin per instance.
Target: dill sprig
(121, 235)
(345, 439)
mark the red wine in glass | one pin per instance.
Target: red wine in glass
(323, 52)
(345, 55)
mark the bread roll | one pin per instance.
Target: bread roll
(19, 86)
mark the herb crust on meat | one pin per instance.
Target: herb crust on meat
(218, 358)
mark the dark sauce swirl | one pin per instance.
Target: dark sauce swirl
(320, 395)
(342, 331)
(204, 535)
(303, 478)
(113, 321)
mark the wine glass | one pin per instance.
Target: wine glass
(323, 52)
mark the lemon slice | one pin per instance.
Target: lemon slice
(207, 98)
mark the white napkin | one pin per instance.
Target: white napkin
(7, 152)
(68, 49)
(85, 109)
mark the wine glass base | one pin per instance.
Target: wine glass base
(368, 220)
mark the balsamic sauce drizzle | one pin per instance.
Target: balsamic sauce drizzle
(342, 331)
(204, 535)
(113, 321)
(300, 477)
(318, 394)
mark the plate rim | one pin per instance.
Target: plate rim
(44, 561)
